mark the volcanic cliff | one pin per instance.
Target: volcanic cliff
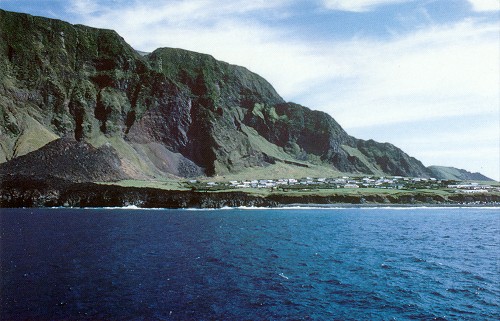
(168, 113)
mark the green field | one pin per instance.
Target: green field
(169, 185)
(181, 186)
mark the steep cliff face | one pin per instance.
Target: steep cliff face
(206, 126)
(170, 112)
(75, 80)
(59, 80)
(386, 158)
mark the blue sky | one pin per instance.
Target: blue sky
(423, 75)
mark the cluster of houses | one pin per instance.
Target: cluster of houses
(473, 188)
(396, 182)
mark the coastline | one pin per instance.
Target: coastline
(395, 206)
(45, 194)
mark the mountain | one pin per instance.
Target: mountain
(452, 173)
(167, 113)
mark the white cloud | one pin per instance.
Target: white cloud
(485, 5)
(432, 73)
(83, 7)
(358, 5)
(174, 12)
(439, 73)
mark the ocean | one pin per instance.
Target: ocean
(250, 264)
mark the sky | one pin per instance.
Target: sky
(422, 75)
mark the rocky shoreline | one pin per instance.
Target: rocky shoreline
(57, 193)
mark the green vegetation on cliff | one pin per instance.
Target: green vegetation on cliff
(171, 113)
(443, 172)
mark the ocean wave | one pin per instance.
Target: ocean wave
(332, 207)
(364, 207)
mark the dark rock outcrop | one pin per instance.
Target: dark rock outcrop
(66, 159)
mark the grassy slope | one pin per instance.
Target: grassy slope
(33, 137)
(170, 185)
(133, 164)
(356, 153)
(260, 143)
(451, 173)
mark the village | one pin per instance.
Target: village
(346, 182)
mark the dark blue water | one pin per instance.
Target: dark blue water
(332, 264)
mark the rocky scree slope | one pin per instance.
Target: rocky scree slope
(66, 159)
(170, 112)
